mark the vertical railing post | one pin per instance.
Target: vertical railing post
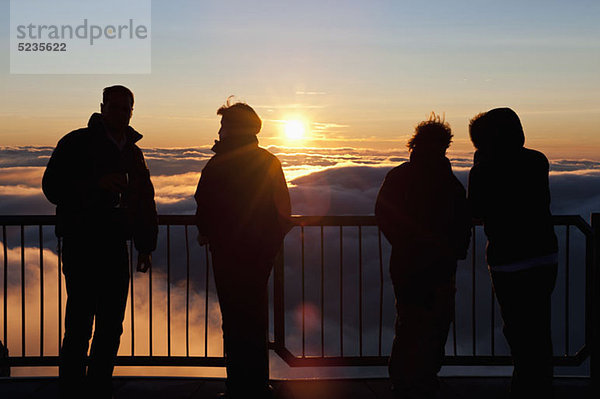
(595, 344)
(278, 301)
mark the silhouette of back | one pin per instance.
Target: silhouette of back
(509, 191)
(508, 187)
(236, 199)
(422, 210)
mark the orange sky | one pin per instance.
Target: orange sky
(359, 76)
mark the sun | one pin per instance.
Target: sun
(295, 130)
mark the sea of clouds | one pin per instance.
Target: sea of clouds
(322, 181)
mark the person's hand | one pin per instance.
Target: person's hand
(144, 262)
(202, 240)
(113, 182)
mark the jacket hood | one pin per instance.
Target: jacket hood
(508, 128)
(96, 124)
(498, 132)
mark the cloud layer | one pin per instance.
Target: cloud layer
(322, 180)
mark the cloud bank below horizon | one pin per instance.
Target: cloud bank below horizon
(322, 181)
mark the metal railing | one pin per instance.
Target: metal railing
(469, 343)
(331, 303)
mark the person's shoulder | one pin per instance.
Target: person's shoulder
(265, 153)
(535, 156)
(399, 171)
(268, 156)
(74, 138)
(397, 174)
(476, 168)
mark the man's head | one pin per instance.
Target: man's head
(117, 106)
(499, 128)
(432, 136)
(238, 119)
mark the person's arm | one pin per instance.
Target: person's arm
(389, 210)
(462, 223)
(546, 180)
(52, 184)
(62, 183)
(475, 194)
(281, 197)
(145, 232)
(201, 197)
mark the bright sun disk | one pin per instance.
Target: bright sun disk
(294, 130)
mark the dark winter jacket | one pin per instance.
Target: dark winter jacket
(243, 201)
(509, 191)
(422, 211)
(84, 209)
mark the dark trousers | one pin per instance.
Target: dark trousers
(524, 299)
(97, 280)
(424, 311)
(242, 291)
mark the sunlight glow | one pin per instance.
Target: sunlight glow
(295, 130)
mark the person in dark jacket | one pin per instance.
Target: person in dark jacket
(422, 211)
(509, 191)
(99, 182)
(243, 213)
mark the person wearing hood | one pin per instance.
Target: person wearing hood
(243, 213)
(99, 182)
(422, 210)
(509, 190)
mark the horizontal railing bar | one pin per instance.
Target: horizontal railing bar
(329, 220)
(357, 361)
(308, 361)
(27, 220)
(34, 361)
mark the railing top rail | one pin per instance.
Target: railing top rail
(299, 220)
(574, 220)
(27, 220)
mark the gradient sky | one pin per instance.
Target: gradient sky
(360, 74)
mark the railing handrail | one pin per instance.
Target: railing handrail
(300, 220)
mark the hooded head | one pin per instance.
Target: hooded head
(497, 130)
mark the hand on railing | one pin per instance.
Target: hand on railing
(202, 240)
(144, 262)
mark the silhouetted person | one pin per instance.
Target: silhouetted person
(244, 213)
(98, 179)
(422, 210)
(509, 191)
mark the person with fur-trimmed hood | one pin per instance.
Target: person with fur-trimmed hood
(422, 211)
(509, 191)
